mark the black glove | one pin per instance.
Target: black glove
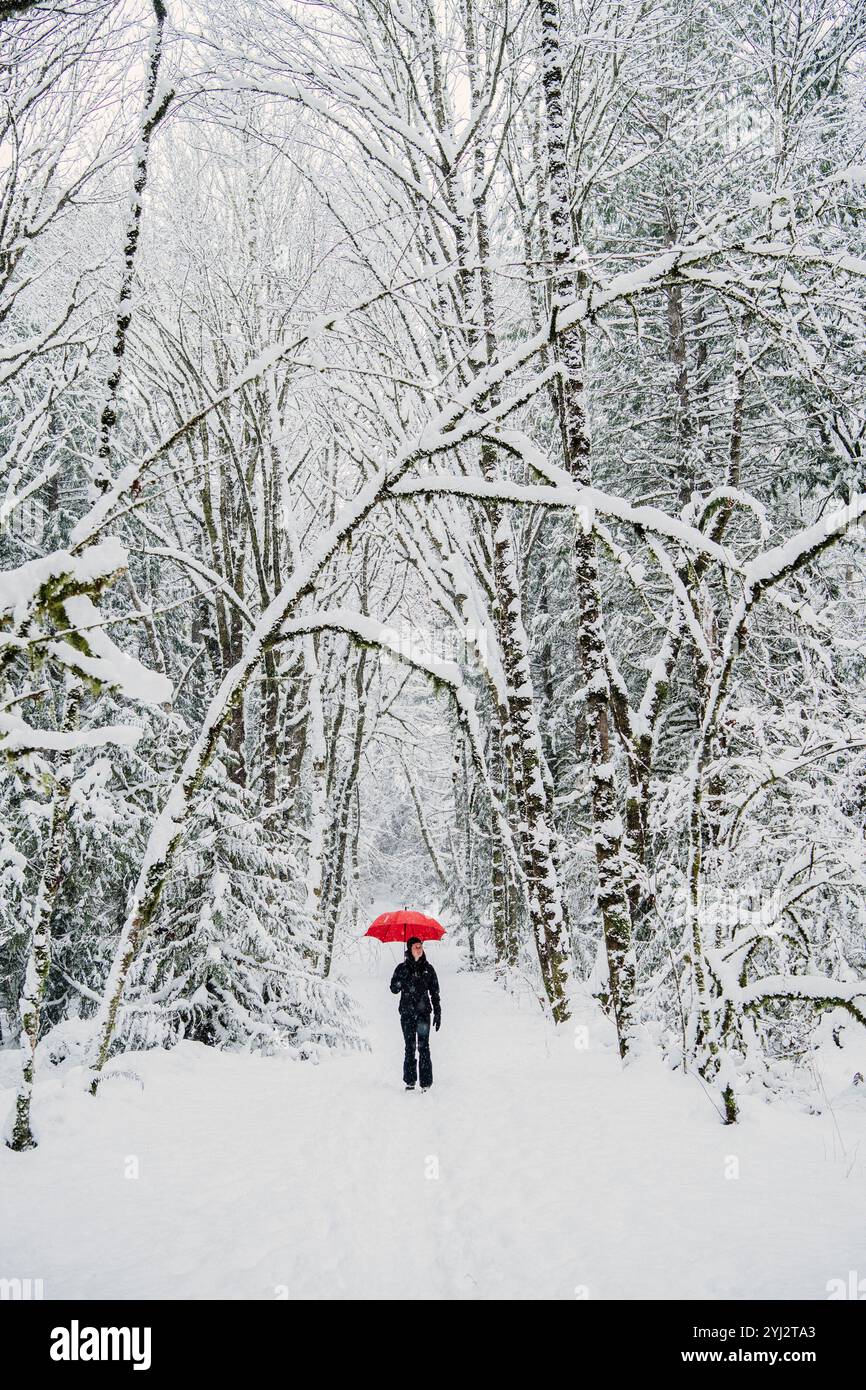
(437, 1019)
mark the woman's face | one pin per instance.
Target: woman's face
(417, 950)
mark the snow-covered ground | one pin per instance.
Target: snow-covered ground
(532, 1169)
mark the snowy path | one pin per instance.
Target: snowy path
(559, 1175)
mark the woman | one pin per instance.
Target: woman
(416, 983)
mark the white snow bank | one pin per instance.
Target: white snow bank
(535, 1168)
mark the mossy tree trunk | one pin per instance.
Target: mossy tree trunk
(39, 957)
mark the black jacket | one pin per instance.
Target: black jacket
(418, 987)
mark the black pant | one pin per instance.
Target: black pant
(412, 1025)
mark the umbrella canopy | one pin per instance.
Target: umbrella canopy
(399, 926)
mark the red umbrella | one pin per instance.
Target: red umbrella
(399, 926)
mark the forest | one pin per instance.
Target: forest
(432, 446)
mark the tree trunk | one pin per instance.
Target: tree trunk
(607, 823)
(39, 959)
